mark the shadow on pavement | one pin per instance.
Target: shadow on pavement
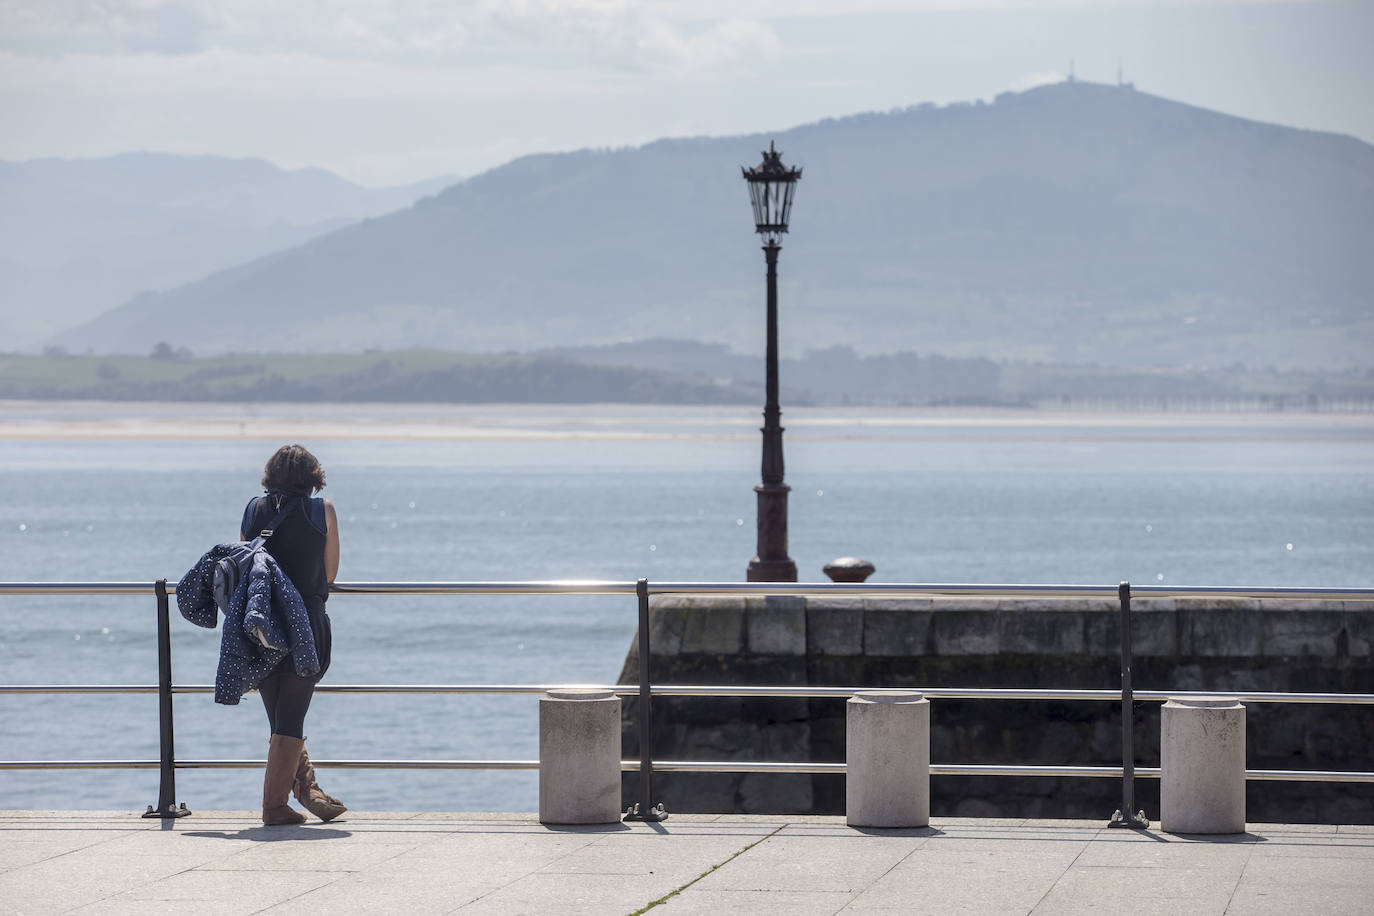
(586, 828)
(274, 834)
(897, 831)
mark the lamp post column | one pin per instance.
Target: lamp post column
(772, 564)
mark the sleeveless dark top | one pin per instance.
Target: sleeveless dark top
(297, 545)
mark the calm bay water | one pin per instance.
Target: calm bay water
(93, 492)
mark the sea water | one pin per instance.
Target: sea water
(138, 492)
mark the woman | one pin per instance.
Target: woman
(305, 545)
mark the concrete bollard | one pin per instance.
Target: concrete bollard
(887, 754)
(1202, 766)
(579, 756)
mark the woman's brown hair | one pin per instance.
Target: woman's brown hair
(293, 469)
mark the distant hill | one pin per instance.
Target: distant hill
(404, 375)
(79, 237)
(666, 372)
(1071, 223)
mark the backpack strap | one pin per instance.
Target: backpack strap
(287, 506)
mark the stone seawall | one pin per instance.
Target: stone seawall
(1180, 644)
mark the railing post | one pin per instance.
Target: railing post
(167, 783)
(645, 809)
(1126, 815)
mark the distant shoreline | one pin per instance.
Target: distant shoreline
(31, 420)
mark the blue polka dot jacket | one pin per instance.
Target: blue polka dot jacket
(266, 621)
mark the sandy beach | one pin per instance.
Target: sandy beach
(98, 420)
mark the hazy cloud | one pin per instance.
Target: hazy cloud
(473, 82)
(735, 41)
(1049, 78)
(277, 74)
(334, 27)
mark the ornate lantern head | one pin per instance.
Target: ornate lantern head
(771, 185)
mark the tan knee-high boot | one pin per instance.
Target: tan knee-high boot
(308, 792)
(282, 756)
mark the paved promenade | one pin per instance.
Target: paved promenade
(226, 863)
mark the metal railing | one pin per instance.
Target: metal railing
(645, 690)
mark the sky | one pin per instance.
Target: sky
(386, 93)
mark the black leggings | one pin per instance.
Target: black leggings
(287, 698)
(285, 694)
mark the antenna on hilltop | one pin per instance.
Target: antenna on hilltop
(1071, 77)
(1121, 80)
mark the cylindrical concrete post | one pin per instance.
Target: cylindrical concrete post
(887, 759)
(579, 756)
(1202, 766)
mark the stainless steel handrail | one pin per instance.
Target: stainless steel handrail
(736, 692)
(706, 589)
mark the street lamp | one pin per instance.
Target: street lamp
(771, 186)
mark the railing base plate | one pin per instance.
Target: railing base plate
(182, 811)
(1138, 820)
(654, 814)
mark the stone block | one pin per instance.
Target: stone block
(730, 741)
(964, 603)
(787, 741)
(1104, 744)
(1277, 737)
(1226, 627)
(775, 793)
(1028, 631)
(1210, 603)
(964, 631)
(1188, 677)
(896, 632)
(1101, 632)
(667, 620)
(775, 625)
(713, 627)
(1290, 631)
(832, 603)
(834, 627)
(702, 793)
(1058, 604)
(977, 807)
(897, 604)
(1359, 627)
(1154, 630)
(1307, 604)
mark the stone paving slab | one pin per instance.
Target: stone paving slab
(228, 864)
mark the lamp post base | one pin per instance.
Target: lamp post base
(771, 570)
(772, 564)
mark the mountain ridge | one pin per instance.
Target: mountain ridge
(1075, 222)
(81, 236)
